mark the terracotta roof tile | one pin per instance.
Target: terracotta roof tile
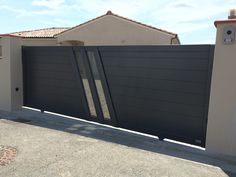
(39, 33)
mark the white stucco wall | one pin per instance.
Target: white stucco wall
(11, 74)
(221, 130)
(5, 75)
(111, 30)
(16, 74)
(0, 47)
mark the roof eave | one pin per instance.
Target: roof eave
(10, 35)
(39, 37)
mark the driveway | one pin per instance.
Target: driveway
(54, 146)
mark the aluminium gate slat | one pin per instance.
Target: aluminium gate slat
(135, 73)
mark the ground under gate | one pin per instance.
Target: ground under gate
(161, 90)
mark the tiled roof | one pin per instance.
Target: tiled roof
(124, 18)
(39, 33)
(53, 32)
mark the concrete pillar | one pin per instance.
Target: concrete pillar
(11, 84)
(221, 130)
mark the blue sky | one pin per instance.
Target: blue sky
(193, 20)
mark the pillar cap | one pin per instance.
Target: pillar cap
(228, 21)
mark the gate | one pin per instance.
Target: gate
(160, 90)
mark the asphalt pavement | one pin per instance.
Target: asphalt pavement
(54, 146)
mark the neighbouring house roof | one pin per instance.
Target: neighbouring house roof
(39, 33)
(53, 32)
(124, 18)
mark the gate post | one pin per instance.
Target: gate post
(221, 128)
(11, 87)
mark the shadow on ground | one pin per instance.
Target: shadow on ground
(119, 137)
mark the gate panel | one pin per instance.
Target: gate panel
(52, 81)
(162, 90)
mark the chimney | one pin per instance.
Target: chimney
(232, 14)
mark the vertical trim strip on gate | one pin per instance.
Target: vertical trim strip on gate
(84, 59)
(86, 86)
(105, 86)
(98, 83)
(208, 89)
(79, 82)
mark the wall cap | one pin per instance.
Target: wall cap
(219, 22)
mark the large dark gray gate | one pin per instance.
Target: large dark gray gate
(161, 90)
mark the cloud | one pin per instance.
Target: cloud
(12, 9)
(51, 4)
(184, 17)
(23, 12)
(131, 8)
(181, 4)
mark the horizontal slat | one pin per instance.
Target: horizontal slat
(55, 83)
(154, 84)
(157, 48)
(156, 105)
(158, 63)
(161, 121)
(48, 75)
(160, 95)
(41, 93)
(155, 54)
(51, 68)
(51, 90)
(175, 75)
(54, 60)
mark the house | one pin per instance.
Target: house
(108, 29)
